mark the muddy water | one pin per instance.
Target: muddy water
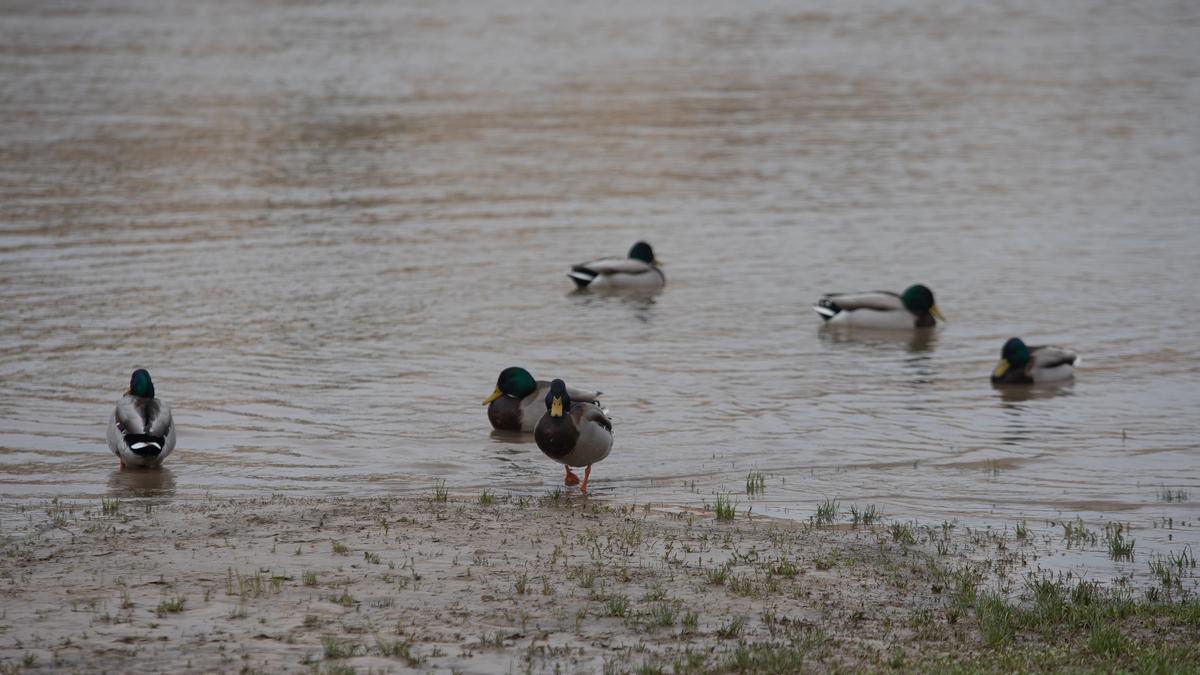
(325, 228)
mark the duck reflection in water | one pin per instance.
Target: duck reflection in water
(917, 341)
(1020, 394)
(139, 483)
(641, 304)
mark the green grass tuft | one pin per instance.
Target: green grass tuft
(726, 509)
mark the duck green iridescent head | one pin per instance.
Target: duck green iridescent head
(642, 251)
(140, 384)
(1014, 355)
(918, 299)
(513, 381)
(557, 399)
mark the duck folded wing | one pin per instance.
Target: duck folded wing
(143, 417)
(581, 395)
(1051, 357)
(588, 412)
(883, 301)
(130, 416)
(605, 266)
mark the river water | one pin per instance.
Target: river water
(326, 227)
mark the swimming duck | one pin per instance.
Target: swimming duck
(914, 308)
(518, 401)
(1020, 364)
(638, 272)
(140, 430)
(573, 433)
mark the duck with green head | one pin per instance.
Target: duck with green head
(1022, 364)
(639, 271)
(573, 433)
(517, 403)
(914, 308)
(141, 432)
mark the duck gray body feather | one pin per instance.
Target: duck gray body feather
(141, 431)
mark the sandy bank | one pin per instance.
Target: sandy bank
(540, 584)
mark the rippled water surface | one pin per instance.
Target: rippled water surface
(325, 228)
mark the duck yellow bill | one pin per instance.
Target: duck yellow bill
(1001, 368)
(495, 395)
(556, 407)
(937, 312)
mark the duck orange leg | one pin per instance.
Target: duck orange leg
(571, 478)
(586, 472)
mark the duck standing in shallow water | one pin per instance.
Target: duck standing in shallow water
(573, 433)
(638, 272)
(141, 432)
(1021, 364)
(914, 308)
(519, 401)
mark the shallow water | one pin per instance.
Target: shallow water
(326, 228)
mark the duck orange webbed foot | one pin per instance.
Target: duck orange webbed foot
(586, 473)
(571, 479)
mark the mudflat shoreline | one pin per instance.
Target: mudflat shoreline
(557, 583)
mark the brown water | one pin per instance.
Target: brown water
(325, 228)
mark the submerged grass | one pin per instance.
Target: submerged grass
(1077, 535)
(866, 517)
(756, 483)
(725, 509)
(827, 512)
(1119, 548)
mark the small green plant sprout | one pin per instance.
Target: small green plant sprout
(996, 621)
(1166, 494)
(717, 575)
(865, 517)
(827, 512)
(339, 548)
(756, 483)
(725, 508)
(617, 605)
(344, 598)
(309, 578)
(992, 467)
(171, 606)
(1022, 530)
(1076, 534)
(370, 557)
(336, 649)
(398, 649)
(733, 629)
(1172, 568)
(440, 493)
(1119, 548)
(486, 498)
(784, 568)
(110, 507)
(902, 533)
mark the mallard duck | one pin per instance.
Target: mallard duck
(140, 430)
(573, 433)
(518, 401)
(639, 271)
(914, 308)
(1020, 364)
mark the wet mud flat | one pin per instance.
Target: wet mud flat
(556, 583)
